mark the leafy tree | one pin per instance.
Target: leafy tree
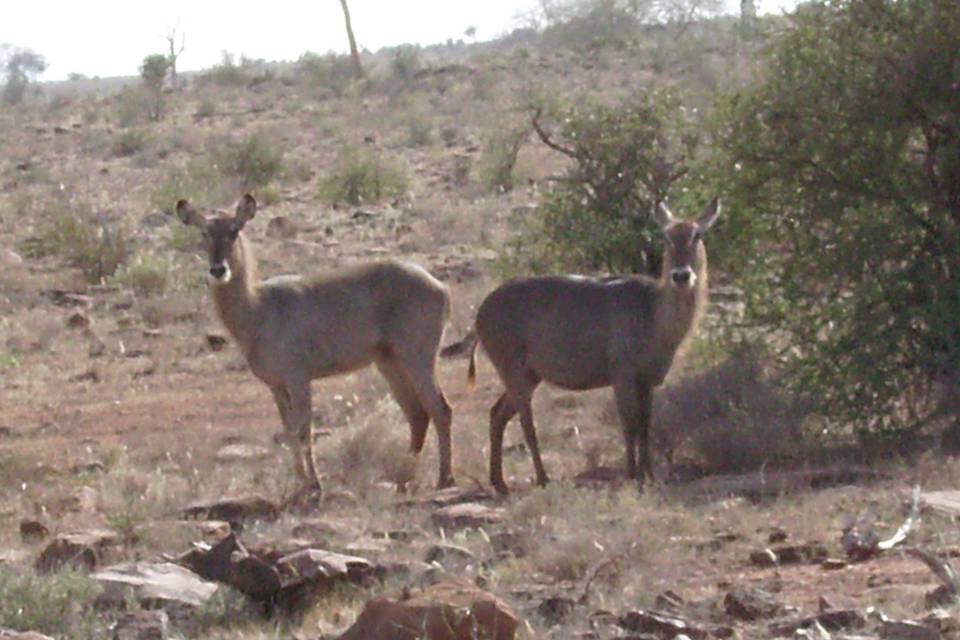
(845, 212)
(153, 71)
(20, 66)
(625, 158)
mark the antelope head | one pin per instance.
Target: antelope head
(684, 256)
(221, 235)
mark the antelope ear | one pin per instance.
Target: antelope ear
(662, 215)
(710, 214)
(188, 215)
(246, 209)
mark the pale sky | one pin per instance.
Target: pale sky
(111, 37)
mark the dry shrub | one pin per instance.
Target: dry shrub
(377, 451)
(734, 415)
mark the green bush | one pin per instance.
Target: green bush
(330, 71)
(406, 63)
(419, 131)
(96, 248)
(230, 73)
(363, 177)
(145, 275)
(597, 216)
(499, 159)
(254, 160)
(128, 143)
(844, 222)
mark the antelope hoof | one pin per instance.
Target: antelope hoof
(501, 488)
(445, 482)
(542, 481)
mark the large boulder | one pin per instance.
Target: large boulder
(451, 610)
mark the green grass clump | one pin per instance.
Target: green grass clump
(363, 178)
(254, 160)
(147, 275)
(61, 605)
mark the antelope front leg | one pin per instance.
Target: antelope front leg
(294, 403)
(633, 404)
(282, 399)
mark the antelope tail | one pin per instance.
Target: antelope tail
(467, 346)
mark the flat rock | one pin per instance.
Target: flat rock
(10, 634)
(79, 549)
(143, 625)
(660, 624)
(751, 604)
(317, 564)
(449, 610)
(233, 510)
(906, 630)
(467, 515)
(152, 583)
(242, 452)
(946, 502)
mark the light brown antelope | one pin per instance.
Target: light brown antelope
(293, 330)
(583, 333)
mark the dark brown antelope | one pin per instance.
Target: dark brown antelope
(583, 333)
(293, 330)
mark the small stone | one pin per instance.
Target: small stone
(216, 342)
(78, 321)
(467, 515)
(143, 625)
(777, 535)
(834, 564)
(556, 609)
